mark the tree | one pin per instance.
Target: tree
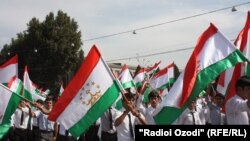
(51, 49)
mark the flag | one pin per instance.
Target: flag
(9, 70)
(88, 95)
(212, 55)
(125, 77)
(127, 82)
(139, 78)
(31, 91)
(152, 70)
(163, 78)
(15, 85)
(9, 101)
(227, 80)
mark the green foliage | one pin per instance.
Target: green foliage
(51, 49)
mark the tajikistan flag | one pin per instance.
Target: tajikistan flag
(31, 91)
(228, 79)
(88, 95)
(126, 78)
(152, 70)
(9, 70)
(212, 55)
(139, 78)
(9, 101)
(16, 85)
(164, 78)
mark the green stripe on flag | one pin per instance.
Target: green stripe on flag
(11, 108)
(95, 111)
(27, 95)
(146, 93)
(4, 128)
(138, 84)
(167, 85)
(128, 84)
(169, 114)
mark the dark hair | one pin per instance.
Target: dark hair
(243, 81)
(153, 94)
(129, 96)
(40, 101)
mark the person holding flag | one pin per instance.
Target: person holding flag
(126, 119)
(238, 106)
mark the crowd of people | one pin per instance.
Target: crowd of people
(30, 121)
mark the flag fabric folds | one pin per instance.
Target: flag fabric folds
(88, 95)
(31, 92)
(164, 78)
(126, 78)
(212, 55)
(9, 70)
(227, 80)
(16, 85)
(8, 103)
(139, 78)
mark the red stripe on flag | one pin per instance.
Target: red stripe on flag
(191, 69)
(142, 70)
(12, 80)
(154, 67)
(245, 33)
(163, 71)
(124, 67)
(13, 60)
(221, 80)
(231, 86)
(242, 39)
(76, 83)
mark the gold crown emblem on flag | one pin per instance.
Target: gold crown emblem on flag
(94, 96)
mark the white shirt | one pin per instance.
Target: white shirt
(149, 115)
(123, 131)
(43, 122)
(17, 118)
(62, 131)
(186, 118)
(237, 111)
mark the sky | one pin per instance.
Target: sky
(166, 30)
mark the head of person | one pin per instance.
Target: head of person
(154, 98)
(22, 103)
(49, 103)
(130, 97)
(219, 99)
(192, 105)
(243, 87)
(40, 101)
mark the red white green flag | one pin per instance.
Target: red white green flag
(16, 85)
(163, 78)
(88, 95)
(126, 78)
(139, 78)
(152, 70)
(227, 80)
(9, 101)
(212, 55)
(9, 70)
(31, 91)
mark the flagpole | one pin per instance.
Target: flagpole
(17, 94)
(116, 80)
